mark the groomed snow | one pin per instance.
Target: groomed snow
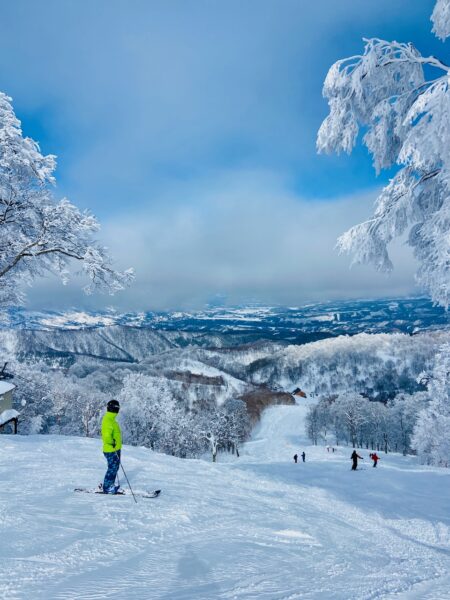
(259, 527)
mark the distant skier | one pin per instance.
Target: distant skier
(354, 458)
(375, 458)
(112, 444)
(295, 458)
(303, 456)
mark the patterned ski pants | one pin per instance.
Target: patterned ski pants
(113, 460)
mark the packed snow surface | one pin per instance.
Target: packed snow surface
(258, 527)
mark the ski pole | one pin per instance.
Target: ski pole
(132, 493)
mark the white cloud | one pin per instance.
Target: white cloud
(135, 100)
(244, 235)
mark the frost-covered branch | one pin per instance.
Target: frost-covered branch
(406, 121)
(37, 233)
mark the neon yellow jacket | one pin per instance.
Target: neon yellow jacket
(111, 435)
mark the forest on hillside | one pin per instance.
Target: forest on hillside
(187, 399)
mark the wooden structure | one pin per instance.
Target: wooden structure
(7, 412)
(299, 393)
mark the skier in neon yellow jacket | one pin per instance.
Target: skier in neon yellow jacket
(112, 444)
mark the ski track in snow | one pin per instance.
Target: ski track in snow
(258, 527)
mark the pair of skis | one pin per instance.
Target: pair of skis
(146, 494)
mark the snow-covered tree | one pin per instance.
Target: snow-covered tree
(351, 409)
(432, 432)
(401, 100)
(405, 410)
(142, 398)
(238, 423)
(441, 19)
(315, 420)
(32, 395)
(75, 407)
(52, 401)
(154, 413)
(361, 422)
(39, 234)
(382, 425)
(214, 430)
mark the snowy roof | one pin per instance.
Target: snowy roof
(6, 387)
(7, 415)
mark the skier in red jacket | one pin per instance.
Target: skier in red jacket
(375, 458)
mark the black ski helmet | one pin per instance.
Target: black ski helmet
(113, 406)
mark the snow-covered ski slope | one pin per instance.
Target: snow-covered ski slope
(259, 527)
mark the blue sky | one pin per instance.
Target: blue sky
(188, 128)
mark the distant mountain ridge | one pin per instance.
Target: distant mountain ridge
(206, 359)
(295, 325)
